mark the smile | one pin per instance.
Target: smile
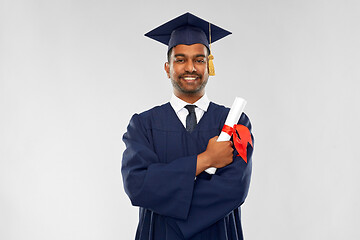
(190, 78)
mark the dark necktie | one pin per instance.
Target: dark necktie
(190, 118)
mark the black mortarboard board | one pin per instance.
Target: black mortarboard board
(188, 29)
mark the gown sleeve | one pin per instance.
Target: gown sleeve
(216, 197)
(164, 188)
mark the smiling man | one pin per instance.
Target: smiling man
(188, 70)
(169, 147)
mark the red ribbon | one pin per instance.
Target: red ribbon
(227, 129)
(241, 137)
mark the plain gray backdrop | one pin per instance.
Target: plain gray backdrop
(73, 72)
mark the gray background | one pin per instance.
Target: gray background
(73, 72)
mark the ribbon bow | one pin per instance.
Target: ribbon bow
(241, 137)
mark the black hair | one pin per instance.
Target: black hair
(169, 54)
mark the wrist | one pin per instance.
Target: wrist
(203, 162)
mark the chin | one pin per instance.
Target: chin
(191, 91)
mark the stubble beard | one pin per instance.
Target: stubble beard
(178, 85)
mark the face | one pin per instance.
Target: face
(188, 70)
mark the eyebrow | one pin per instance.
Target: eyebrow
(183, 55)
(179, 55)
(200, 55)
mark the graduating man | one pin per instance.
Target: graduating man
(169, 148)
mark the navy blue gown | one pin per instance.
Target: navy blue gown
(158, 169)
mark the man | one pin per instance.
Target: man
(169, 147)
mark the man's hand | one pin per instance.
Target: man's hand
(217, 154)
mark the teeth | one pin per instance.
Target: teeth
(189, 78)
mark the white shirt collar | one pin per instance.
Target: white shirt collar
(177, 104)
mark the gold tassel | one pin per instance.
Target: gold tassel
(211, 57)
(211, 65)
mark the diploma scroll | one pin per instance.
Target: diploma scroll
(233, 117)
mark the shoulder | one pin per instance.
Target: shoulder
(160, 109)
(218, 109)
(151, 116)
(244, 120)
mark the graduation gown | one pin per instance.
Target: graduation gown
(159, 167)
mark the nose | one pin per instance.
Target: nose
(190, 67)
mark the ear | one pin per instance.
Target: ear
(167, 69)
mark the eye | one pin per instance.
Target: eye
(179, 60)
(200, 61)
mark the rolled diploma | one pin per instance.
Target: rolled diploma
(233, 118)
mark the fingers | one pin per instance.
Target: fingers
(219, 154)
(229, 144)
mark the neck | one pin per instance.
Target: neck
(189, 98)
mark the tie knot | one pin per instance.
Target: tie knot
(190, 108)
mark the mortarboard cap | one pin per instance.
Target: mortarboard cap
(187, 29)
